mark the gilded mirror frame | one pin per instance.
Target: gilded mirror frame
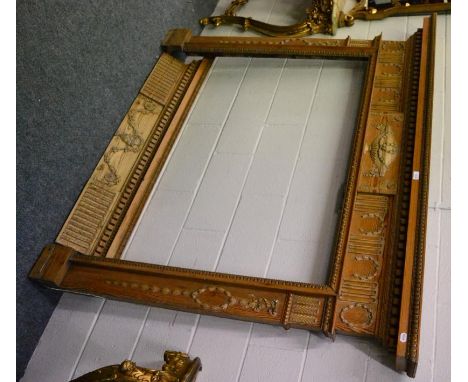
(375, 282)
(325, 16)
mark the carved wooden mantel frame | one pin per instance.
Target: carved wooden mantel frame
(376, 273)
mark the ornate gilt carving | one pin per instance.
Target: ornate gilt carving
(325, 16)
(235, 4)
(371, 10)
(178, 367)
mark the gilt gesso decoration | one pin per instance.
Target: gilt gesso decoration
(178, 367)
(326, 16)
(323, 16)
(374, 287)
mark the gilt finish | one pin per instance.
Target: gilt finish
(326, 16)
(323, 16)
(370, 10)
(178, 367)
(375, 281)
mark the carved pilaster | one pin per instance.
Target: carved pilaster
(103, 202)
(357, 303)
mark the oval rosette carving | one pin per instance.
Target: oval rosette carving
(213, 298)
(357, 316)
(372, 271)
(372, 224)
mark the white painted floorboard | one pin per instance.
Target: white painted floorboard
(218, 198)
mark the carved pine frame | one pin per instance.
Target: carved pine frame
(376, 273)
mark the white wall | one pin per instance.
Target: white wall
(253, 184)
(257, 211)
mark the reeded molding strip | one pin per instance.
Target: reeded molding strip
(94, 220)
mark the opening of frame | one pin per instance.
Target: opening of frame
(254, 184)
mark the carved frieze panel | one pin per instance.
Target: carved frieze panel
(389, 73)
(304, 311)
(358, 297)
(207, 297)
(107, 194)
(326, 16)
(381, 154)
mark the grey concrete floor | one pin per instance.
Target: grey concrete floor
(79, 66)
